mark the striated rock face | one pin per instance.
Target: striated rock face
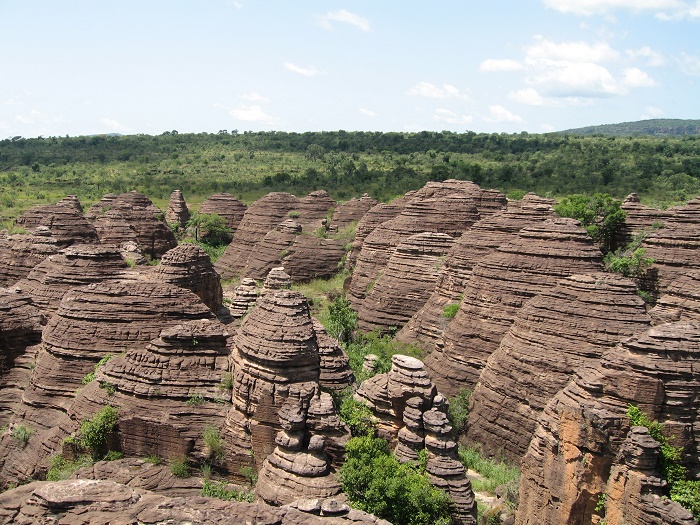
(311, 257)
(639, 218)
(681, 301)
(154, 385)
(313, 208)
(277, 279)
(555, 333)
(499, 285)
(177, 213)
(188, 266)
(78, 265)
(225, 205)
(20, 253)
(270, 251)
(675, 246)
(464, 202)
(377, 215)
(260, 217)
(335, 372)
(405, 284)
(635, 489)
(132, 217)
(352, 211)
(244, 298)
(88, 501)
(100, 207)
(412, 415)
(64, 220)
(568, 463)
(483, 238)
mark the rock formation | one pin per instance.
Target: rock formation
(681, 300)
(639, 218)
(100, 207)
(20, 253)
(352, 211)
(64, 220)
(178, 214)
(78, 265)
(335, 372)
(483, 238)
(556, 332)
(226, 206)
(580, 432)
(270, 251)
(133, 217)
(313, 209)
(277, 279)
(243, 298)
(313, 257)
(499, 285)
(405, 284)
(377, 215)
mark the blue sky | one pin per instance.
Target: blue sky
(79, 67)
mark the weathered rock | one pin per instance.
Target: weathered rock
(335, 372)
(635, 494)
(405, 284)
(20, 253)
(78, 265)
(100, 207)
(483, 238)
(226, 206)
(352, 211)
(64, 220)
(277, 279)
(555, 333)
(243, 298)
(188, 266)
(640, 218)
(178, 214)
(312, 257)
(133, 217)
(270, 251)
(582, 428)
(260, 217)
(499, 285)
(371, 220)
(313, 208)
(681, 300)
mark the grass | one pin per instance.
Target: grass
(153, 459)
(222, 491)
(495, 472)
(213, 442)
(60, 468)
(195, 400)
(22, 434)
(321, 292)
(180, 467)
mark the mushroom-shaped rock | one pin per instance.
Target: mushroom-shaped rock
(499, 286)
(555, 333)
(178, 214)
(226, 206)
(64, 220)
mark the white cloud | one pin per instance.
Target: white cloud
(494, 64)
(570, 51)
(575, 79)
(652, 112)
(653, 58)
(689, 64)
(37, 117)
(112, 124)
(528, 96)
(428, 90)
(299, 70)
(254, 97)
(635, 77)
(501, 114)
(345, 17)
(445, 116)
(368, 112)
(664, 9)
(252, 114)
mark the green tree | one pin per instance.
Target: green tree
(600, 214)
(210, 228)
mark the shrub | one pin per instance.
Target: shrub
(222, 491)
(60, 468)
(450, 310)
(599, 214)
(91, 376)
(213, 442)
(95, 431)
(153, 459)
(376, 482)
(22, 434)
(384, 347)
(250, 474)
(113, 455)
(195, 400)
(180, 467)
(341, 320)
(458, 411)
(293, 214)
(226, 382)
(358, 417)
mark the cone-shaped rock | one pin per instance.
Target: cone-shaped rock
(377, 215)
(313, 208)
(553, 335)
(20, 253)
(178, 213)
(243, 298)
(483, 238)
(226, 206)
(271, 249)
(277, 279)
(100, 207)
(499, 285)
(335, 372)
(64, 220)
(312, 257)
(681, 301)
(582, 428)
(406, 283)
(352, 211)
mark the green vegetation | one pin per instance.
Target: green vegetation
(600, 214)
(95, 432)
(681, 490)
(211, 233)
(458, 411)
(195, 400)
(222, 491)
(153, 459)
(91, 376)
(666, 127)
(22, 434)
(226, 381)
(495, 473)
(357, 416)
(376, 482)
(180, 467)
(341, 320)
(382, 346)
(60, 468)
(631, 260)
(213, 443)
(250, 474)
(450, 310)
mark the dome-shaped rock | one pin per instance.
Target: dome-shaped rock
(225, 206)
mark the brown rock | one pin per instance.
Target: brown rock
(483, 238)
(372, 219)
(270, 251)
(277, 279)
(640, 218)
(583, 427)
(352, 211)
(313, 208)
(681, 301)
(20, 253)
(243, 298)
(556, 333)
(497, 289)
(178, 214)
(226, 206)
(405, 284)
(64, 220)
(335, 372)
(312, 257)
(100, 207)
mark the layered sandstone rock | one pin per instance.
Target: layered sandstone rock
(243, 298)
(20, 253)
(405, 284)
(335, 372)
(312, 257)
(132, 217)
(188, 266)
(313, 209)
(681, 300)
(635, 493)
(178, 214)
(499, 286)
(640, 218)
(78, 265)
(581, 430)
(64, 220)
(260, 217)
(226, 206)
(277, 279)
(352, 211)
(377, 215)
(271, 249)
(557, 332)
(100, 207)
(483, 238)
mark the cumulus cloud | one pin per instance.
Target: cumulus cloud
(528, 96)
(664, 9)
(345, 17)
(575, 79)
(310, 71)
(428, 90)
(544, 49)
(252, 114)
(494, 64)
(652, 58)
(501, 114)
(445, 116)
(635, 77)
(368, 112)
(114, 125)
(254, 97)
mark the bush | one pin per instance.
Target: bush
(180, 467)
(22, 434)
(213, 442)
(358, 417)
(341, 320)
(376, 482)
(91, 376)
(384, 347)
(153, 459)
(222, 491)
(599, 214)
(60, 468)
(95, 431)
(458, 411)
(630, 261)
(195, 400)
(250, 474)
(450, 310)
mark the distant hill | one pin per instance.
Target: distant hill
(660, 127)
